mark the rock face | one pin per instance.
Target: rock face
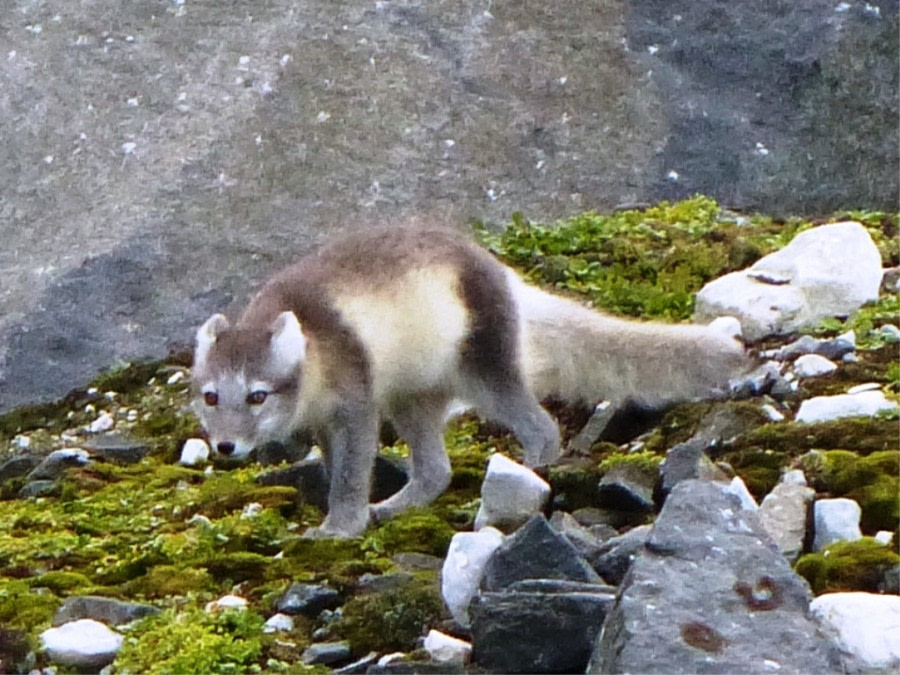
(447, 106)
(867, 627)
(463, 568)
(510, 494)
(830, 270)
(710, 593)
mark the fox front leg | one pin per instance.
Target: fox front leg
(351, 444)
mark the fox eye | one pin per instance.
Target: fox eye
(257, 397)
(211, 398)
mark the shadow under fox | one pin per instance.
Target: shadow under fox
(400, 324)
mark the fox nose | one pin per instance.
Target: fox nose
(225, 448)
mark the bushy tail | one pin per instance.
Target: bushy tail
(575, 354)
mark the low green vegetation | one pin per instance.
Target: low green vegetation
(179, 537)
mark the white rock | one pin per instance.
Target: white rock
(784, 513)
(772, 412)
(103, 423)
(824, 408)
(794, 477)
(82, 644)
(813, 365)
(826, 271)
(278, 623)
(884, 537)
(727, 325)
(510, 494)
(444, 648)
(463, 568)
(836, 520)
(226, 602)
(738, 488)
(195, 451)
(865, 386)
(867, 628)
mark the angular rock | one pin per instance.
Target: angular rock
(535, 632)
(445, 648)
(830, 270)
(278, 623)
(627, 487)
(308, 599)
(867, 628)
(326, 653)
(738, 488)
(836, 520)
(107, 610)
(832, 349)
(615, 556)
(194, 451)
(117, 449)
(535, 551)
(20, 465)
(785, 515)
(813, 365)
(510, 494)
(463, 568)
(861, 404)
(585, 540)
(710, 593)
(57, 462)
(39, 488)
(85, 643)
(685, 461)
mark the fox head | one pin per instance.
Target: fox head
(246, 381)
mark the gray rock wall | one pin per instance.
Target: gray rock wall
(160, 158)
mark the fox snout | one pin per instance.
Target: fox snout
(225, 448)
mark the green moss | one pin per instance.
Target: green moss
(24, 607)
(848, 566)
(165, 581)
(863, 434)
(193, 641)
(237, 567)
(417, 531)
(759, 469)
(61, 582)
(391, 621)
(646, 462)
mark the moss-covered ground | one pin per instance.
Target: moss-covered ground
(179, 537)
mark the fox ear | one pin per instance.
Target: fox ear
(207, 334)
(288, 343)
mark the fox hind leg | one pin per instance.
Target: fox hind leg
(420, 422)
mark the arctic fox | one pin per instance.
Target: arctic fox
(399, 323)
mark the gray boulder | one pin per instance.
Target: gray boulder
(106, 610)
(710, 593)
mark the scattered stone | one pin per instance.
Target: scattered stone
(628, 487)
(117, 449)
(785, 514)
(382, 583)
(326, 653)
(104, 422)
(18, 466)
(813, 365)
(833, 349)
(510, 494)
(535, 551)
(830, 270)
(772, 412)
(110, 611)
(39, 488)
(708, 593)
(685, 461)
(836, 520)
(360, 666)
(463, 568)
(56, 463)
(867, 628)
(278, 623)
(591, 432)
(226, 602)
(862, 404)
(866, 386)
(738, 488)
(891, 332)
(765, 379)
(614, 557)
(308, 599)
(537, 632)
(195, 451)
(84, 644)
(582, 538)
(417, 562)
(444, 648)
(884, 537)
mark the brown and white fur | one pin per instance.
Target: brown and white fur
(397, 324)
